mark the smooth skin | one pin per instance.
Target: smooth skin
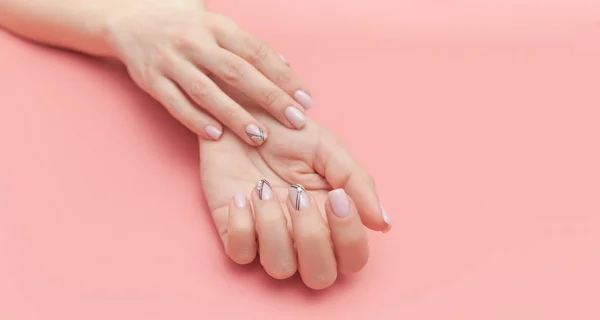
(207, 71)
(313, 241)
(170, 49)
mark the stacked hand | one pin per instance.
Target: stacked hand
(277, 200)
(273, 197)
(172, 47)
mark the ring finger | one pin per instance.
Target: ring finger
(178, 105)
(200, 88)
(241, 75)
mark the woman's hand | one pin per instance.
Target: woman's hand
(171, 47)
(320, 234)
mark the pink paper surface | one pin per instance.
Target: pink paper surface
(480, 121)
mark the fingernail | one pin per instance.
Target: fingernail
(386, 219)
(255, 133)
(339, 203)
(283, 59)
(298, 197)
(265, 192)
(213, 132)
(295, 117)
(240, 200)
(304, 99)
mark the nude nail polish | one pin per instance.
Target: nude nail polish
(265, 192)
(295, 117)
(213, 132)
(240, 200)
(283, 59)
(304, 99)
(255, 133)
(339, 203)
(298, 197)
(386, 218)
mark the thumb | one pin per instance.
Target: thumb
(342, 171)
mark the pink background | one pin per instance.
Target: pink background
(478, 119)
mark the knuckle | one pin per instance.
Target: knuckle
(259, 53)
(199, 91)
(163, 60)
(316, 235)
(240, 229)
(231, 116)
(233, 71)
(185, 40)
(272, 99)
(146, 78)
(284, 78)
(269, 222)
(171, 102)
(362, 177)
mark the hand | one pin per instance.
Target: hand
(171, 48)
(291, 239)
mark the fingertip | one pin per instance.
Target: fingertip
(338, 203)
(256, 134)
(386, 219)
(296, 118)
(239, 199)
(284, 59)
(304, 99)
(213, 132)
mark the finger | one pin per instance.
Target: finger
(240, 240)
(244, 77)
(347, 233)
(341, 171)
(276, 248)
(316, 259)
(203, 91)
(250, 48)
(177, 104)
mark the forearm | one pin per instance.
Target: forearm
(73, 24)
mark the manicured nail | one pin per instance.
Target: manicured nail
(255, 133)
(213, 132)
(339, 203)
(386, 219)
(295, 117)
(304, 99)
(240, 200)
(283, 59)
(298, 197)
(265, 192)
